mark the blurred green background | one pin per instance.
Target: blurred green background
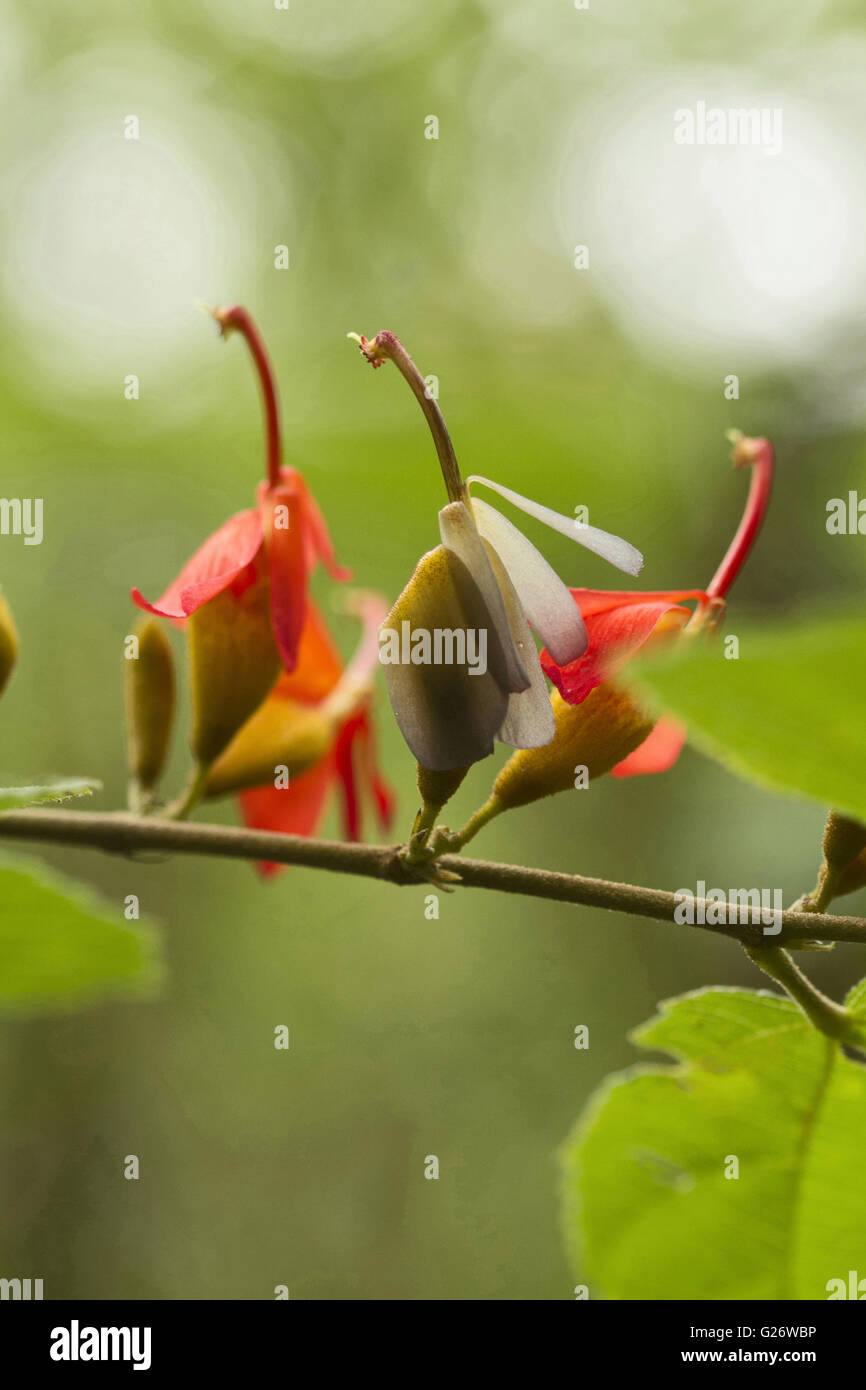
(604, 387)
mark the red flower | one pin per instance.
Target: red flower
(319, 700)
(278, 543)
(619, 623)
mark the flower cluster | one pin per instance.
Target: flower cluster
(277, 719)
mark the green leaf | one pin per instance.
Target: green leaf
(62, 947)
(787, 713)
(648, 1210)
(58, 789)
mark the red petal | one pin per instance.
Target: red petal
(355, 759)
(659, 751)
(384, 799)
(283, 525)
(318, 667)
(215, 565)
(293, 810)
(615, 631)
(318, 537)
(591, 601)
(345, 764)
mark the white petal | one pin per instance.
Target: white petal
(529, 721)
(547, 602)
(460, 535)
(618, 552)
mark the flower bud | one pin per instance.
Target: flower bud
(281, 734)
(448, 714)
(8, 642)
(233, 663)
(844, 869)
(596, 735)
(844, 840)
(149, 699)
(853, 877)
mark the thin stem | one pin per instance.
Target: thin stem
(437, 789)
(823, 1013)
(823, 893)
(425, 822)
(758, 453)
(238, 318)
(387, 347)
(139, 800)
(476, 822)
(121, 833)
(187, 802)
(416, 852)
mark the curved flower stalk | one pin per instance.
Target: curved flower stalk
(599, 725)
(243, 596)
(313, 734)
(461, 664)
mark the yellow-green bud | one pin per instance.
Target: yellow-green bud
(233, 663)
(149, 699)
(282, 734)
(595, 735)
